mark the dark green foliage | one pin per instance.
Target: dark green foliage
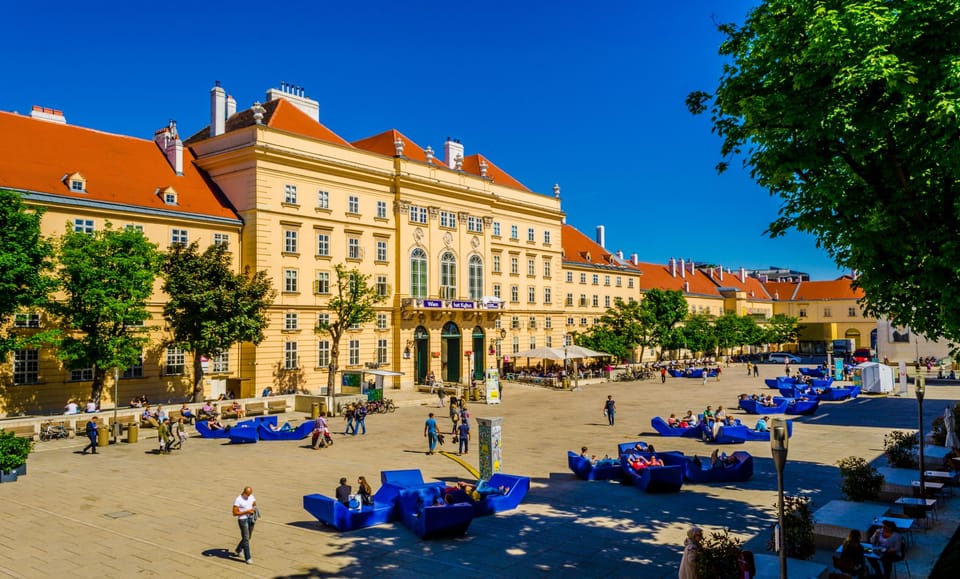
(13, 450)
(798, 528)
(849, 112)
(900, 448)
(859, 480)
(782, 329)
(661, 311)
(719, 557)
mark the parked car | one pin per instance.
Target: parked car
(782, 358)
(861, 355)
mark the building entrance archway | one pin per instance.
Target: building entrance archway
(479, 353)
(421, 358)
(450, 352)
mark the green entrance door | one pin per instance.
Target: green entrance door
(421, 348)
(479, 353)
(450, 352)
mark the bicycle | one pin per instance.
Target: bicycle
(52, 431)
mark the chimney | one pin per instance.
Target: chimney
(693, 268)
(686, 286)
(776, 296)
(673, 267)
(45, 114)
(763, 279)
(218, 110)
(169, 142)
(297, 96)
(601, 236)
(620, 253)
(721, 273)
(452, 149)
(634, 260)
(683, 268)
(743, 275)
(231, 107)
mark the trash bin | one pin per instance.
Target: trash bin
(103, 436)
(314, 410)
(133, 432)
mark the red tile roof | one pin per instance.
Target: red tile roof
(658, 276)
(472, 165)
(578, 249)
(36, 155)
(837, 289)
(278, 114)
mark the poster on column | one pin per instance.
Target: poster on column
(491, 460)
(492, 386)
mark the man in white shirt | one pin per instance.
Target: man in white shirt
(244, 508)
(71, 408)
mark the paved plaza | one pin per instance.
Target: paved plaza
(129, 511)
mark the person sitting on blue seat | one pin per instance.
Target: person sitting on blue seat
(761, 425)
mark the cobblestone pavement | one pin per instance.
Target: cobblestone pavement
(129, 511)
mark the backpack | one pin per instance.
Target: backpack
(90, 427)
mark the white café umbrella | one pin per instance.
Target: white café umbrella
(581, 352)
(544, 353)
(951, 424)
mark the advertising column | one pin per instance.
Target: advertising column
(490, 459)
(492, 386)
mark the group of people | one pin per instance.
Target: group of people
(345, 496)
(355, 415)
(887, 545)
(686, 421)
(73, 408)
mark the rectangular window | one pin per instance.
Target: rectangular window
(606, 280)
(851, 312)
(290, 356)
(353, 248)
(496, 228)
(76, 185)
(583, 300)
(514, 293)
(531, 267)
(170, 198)
(803, 312)
(381, 251)
(222, 239)
(323, 283)
(83, 225)
(531, 294)
(496, 264)
(827, 312)
(515, 322)
(619, 281)
(27, 321)
(135, 371)
(533, 342)
(531, 234)
(516, 344)
(546, 268)
(381, 351)
(323, 200)
(569, 277)
(383, 289)
(514, 265)
(547, 296)
(81, 375)
(514, 232)
(220, 362)
(630, 283)
(569, 302)
(353, 204)
(176, 360)
(475, 224)
(418, 214)
(323, 245)
(496, 290)
(290, 194)
(583, 278)
(178, 237)
(448, 219)
(323, 353)
(583, 321)
(26, 366)
(595, 301)
(353, 353)
(549, 341)
(290, 241)
(548, 322)
(382, 209)
(323, 320)
(546, 238)
(606, 301)
(595, 279)
(290, 281)
(569, 321)
(134, 227)
(290, 321)
(381, 321)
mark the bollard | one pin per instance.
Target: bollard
(323, 408)
(133, 432)
(103, 436)
(315, 410)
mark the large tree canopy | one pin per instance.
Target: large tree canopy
(661, 311)
(848, 111)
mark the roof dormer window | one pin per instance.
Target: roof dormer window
(76, 182)
(168, 195)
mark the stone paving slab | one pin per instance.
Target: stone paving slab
(58, 518)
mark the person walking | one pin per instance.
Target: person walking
(463, 434)
(319, 427)
(360, 418)
(180, 432)
(756, 370)
(430, 432)
(245, 509)
(663, 374)
(92, 433)
(748, 367)
(691, 548)
(704, 376)
(610, 409)
(165, 436)
(719, 371)
(348, 415)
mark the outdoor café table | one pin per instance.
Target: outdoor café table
(941, 476)
(869, 551)
(926, 504)
(936, 487)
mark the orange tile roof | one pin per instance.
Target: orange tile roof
(472, 165)
(36, 155)
(577, 247)
(837, 289)
(278, 114)
(731, 279)
(658, 276)
(780, 290)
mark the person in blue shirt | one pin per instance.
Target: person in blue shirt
(92, 435)
(430, 432)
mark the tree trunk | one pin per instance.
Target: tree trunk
(198, 377)
(332, 374)
(96, 389)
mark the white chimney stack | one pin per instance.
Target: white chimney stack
(297, 96)
(620, 254)
(743, 275)
(683, 268)
(231, 106)
(452, 149)
(693, 268)
(48, 114)
(721, 273)
(633, 259)
(686, 286)
(601, 236)
(218, 110)
(169, 142)
(673, 267)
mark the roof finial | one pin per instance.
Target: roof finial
(556, 190)
(258, 112)
(398, 146)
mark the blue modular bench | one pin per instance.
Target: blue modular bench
(420, 512)
(298, 433)
(751, 406)
(333, 513)
(517, 489)
(741, 470)
(664, 429)
(656, 479)
(583, 469)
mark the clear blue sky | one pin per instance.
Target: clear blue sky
(590, 96)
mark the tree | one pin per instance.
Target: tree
(782, 329)
(729, 331)
(848, 111)
(605, 339)
(107, 277)
(698, 334)
(25, 265)
(664, 309)
(619, 332)
(211, 308)
(352, 305)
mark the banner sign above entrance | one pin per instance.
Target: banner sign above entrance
(433, 303)
(461, 305)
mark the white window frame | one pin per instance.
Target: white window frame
(290, 358)
(291, 241)
(323, 244)
(290, 194)
(290, 281)
(26, 366)
(323, 199)
(353, 353)
(84, 226)
(382, 209)
(291, 321)
(175, 363)
(353, 205)
(323, 353)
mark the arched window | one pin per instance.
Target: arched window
(448, 276)
(418, 273)
(475, 279)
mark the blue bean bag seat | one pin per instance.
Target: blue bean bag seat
(655, 479)
(333, 513)
(813, 372)
(586, 471)
(664, 429)
(418, 513)
(741, 471)
(205, 431)
(751, 406)
(298, 433)
(675, 373)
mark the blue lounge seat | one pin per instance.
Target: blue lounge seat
(586, 471)
(803, 407)
(247, 434)
(299, 433)
(204, 429)
(740, 433)
(402, 478)
(656, 479)
(417, 513)
(333, 513)
(751, 406)
(741, 471)
(517, 488)
(664, 429)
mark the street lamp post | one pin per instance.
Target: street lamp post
(503, 336)
(779, 441)
(919, 388)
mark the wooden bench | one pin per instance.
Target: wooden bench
(278, 406)
(255, 408)
(22, 431)
(174, 415)
(227, 412)
(125, 420)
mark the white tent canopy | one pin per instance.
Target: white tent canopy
(568, 353)
(876, 378)
(544, 353)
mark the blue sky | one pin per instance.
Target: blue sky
(590, 96)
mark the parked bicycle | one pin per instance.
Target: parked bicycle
(51, 431)
(381, 406)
